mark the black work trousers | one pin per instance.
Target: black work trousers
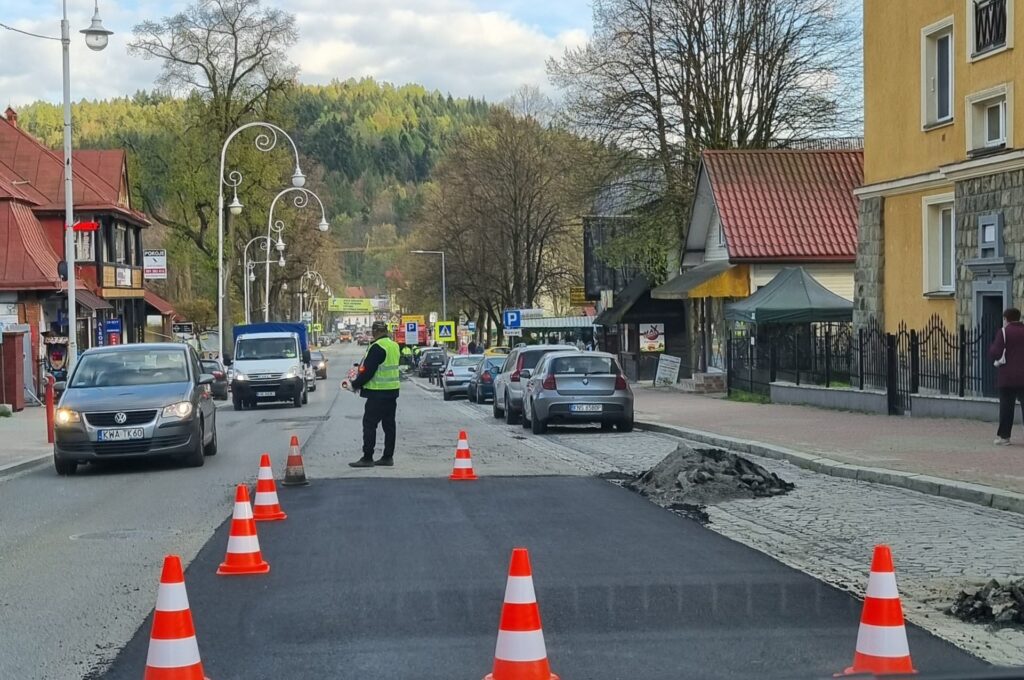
(379, 412)
(1008, 398)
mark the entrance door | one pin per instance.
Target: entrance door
(990, 307)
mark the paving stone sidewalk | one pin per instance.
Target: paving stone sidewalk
(953, 449)
(23, 439)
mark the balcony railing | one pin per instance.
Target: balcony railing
(989, 25)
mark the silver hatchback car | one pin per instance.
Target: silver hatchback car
(577, 387)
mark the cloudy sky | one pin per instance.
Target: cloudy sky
(466, 47)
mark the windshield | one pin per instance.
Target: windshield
(266, 348)
(587, 365)
(493, 364)
(316, 356)
(131, 367)
(531, 359)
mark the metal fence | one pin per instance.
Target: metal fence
(932, 360)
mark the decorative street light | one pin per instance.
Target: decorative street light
(300, 200)
(315, 278)
(249, 266)
(96, 37)
(444, 284)
(265, 141)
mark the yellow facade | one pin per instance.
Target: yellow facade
(895, 145)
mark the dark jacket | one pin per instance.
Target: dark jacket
(1012, 373)
(374, 358)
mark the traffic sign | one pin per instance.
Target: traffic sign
(433, 317)
(471, 326)
(513, 318)
(444, 331)
(412, 333)
(513, 332)
(184, 328)
(307, 317)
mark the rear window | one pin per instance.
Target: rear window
(465, 361)
(210, 366)
(531, 359)
(583, 365)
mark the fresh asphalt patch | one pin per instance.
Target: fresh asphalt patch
(378, 579)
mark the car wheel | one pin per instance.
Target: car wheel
(447, 396)
(64, 467)
(495, 411)
(537, 425)
(625, 426)
(300, 399)
(196, 458)
(237, 402)
(471, 396)
(511, 417)
(211, 448)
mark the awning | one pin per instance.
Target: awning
(558, 323)
(793, 296)
(158, 303)
(711, 279)
(90, 301)
(623, 302)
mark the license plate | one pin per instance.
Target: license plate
(121, 435)
(266, 394)
(586, 408)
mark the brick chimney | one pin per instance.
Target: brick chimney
(12, 116)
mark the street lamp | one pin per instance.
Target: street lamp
(96, 37)
(444, 285)
(265, 141)
(249, 267)
(300, 200)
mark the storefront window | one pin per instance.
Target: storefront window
(83, 336)
(120, 241)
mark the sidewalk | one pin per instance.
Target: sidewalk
(23, 440)
(915, 451)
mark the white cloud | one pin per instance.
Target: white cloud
(465, 47)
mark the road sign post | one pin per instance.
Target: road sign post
(512, 318)
(412, 333)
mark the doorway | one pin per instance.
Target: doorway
(990, 320)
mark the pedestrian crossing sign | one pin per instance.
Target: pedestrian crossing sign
(444, 331)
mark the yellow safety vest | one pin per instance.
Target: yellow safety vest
(386, 377)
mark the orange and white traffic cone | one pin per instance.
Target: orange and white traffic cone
(243, 555)
(882, 647)
(520, 653)
(173, 650)
(295, 470)
(463, 469)
(266, 507)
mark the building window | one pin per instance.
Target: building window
(119, 244)
(939, 244)
(721, 234)
(989, 25)
(990, 119)
(85, 246)
(130, 235)
(937, 73)
(990, 236)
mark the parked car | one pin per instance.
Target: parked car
(219, 386)
(319, 363)
(577, 387)
(456, 374)
(431, 360)
(130, 401)
(508, 389)
(363, 339)
(497, 351)
(481, 385)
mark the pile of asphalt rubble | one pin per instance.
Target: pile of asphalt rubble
(993, 603)
(703, 476)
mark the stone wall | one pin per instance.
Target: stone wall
(869, 278)
(1003, 192)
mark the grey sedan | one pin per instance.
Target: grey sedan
(577, 387)
(132, 401)
(455, 375)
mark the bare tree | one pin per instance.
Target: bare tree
(528, 101)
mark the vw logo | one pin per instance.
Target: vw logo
(586, 381)
(120, 418)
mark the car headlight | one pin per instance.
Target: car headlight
(66, 416)
(295, 372)
(238, 375)
(323, 364)
(183, 409)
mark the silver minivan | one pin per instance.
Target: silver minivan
(508, 387)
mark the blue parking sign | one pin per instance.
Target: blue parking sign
(513, 318)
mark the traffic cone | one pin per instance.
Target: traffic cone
(882, 640)
(243, 556)
(266, 507)
(295, 471)
(463, 469)
(173, 651)
(520, 653)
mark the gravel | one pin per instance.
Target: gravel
(689, 476)
(994, 603)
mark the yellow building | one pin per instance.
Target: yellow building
(942, 206)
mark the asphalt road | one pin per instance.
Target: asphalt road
(400, 574)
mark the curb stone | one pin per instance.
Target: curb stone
(979, 494)
(12, 468)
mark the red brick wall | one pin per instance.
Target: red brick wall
(31, 312)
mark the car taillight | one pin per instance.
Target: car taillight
(549, 382)
(486, 377)
(620, 383)
(450, 373)
(519, 366)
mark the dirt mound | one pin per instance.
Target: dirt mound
(702, 476)
(994, 603)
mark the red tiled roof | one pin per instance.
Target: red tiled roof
(355, 292)
(27, 262)
(787, 205)
(107, 164)
(158, 303)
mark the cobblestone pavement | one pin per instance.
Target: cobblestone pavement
(828, 527)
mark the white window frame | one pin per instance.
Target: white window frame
(969, 33)
(85, 246)
(120, 247)
(976, 110)
(929, 36)
(932, 208)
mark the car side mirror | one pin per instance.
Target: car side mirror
(206, 379)
(228, 360)
(525, 374)
(305, 356)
